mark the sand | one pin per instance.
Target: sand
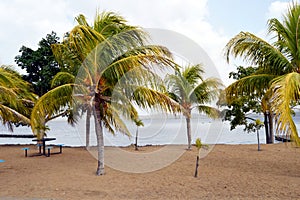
(227, 172)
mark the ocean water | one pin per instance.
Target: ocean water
(157, 130)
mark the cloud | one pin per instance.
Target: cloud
(277, 9)
(27, 22)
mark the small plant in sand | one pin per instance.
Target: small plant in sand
(258, 125)
(199, 146)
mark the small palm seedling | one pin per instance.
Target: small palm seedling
(258, 125)
(199, 146)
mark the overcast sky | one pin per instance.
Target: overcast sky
(210, 23)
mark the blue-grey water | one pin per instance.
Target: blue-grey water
(157, 130)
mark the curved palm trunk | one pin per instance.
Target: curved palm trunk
(99, 134)
(188, 126)
(87, 127)
(271, 117)
(268, 122)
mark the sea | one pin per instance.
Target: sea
(157, 129)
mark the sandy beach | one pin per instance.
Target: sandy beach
(227, 172)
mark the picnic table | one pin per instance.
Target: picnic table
(43, 142)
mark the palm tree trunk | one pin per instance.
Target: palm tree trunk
(100, 147)
(258, 142)
(87, 127)
(271, 129)
(197, 165)
(188, 126)
(99, 134)
(267, 130)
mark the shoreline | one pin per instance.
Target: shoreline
(148, 145)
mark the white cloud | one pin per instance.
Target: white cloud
(27, 22)
(277, 9)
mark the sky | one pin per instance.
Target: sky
(209, 23)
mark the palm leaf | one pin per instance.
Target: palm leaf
(16, 99)
(51, 103)
(193, 74)
(10, 116)
(207, 91)
(256, 51)
(148, 98)
(254, 84)
(62, 78)
(286, 90)
(209, 111)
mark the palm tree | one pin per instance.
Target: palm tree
(16, 99)
(190, 90)
(277, 78)
(138, 123)
(115, 74)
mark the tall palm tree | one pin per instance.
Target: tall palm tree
(115, 74)
(279, 68)
(16, 99)
(190, 90)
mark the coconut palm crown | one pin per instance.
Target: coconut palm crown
(116, 73)
(277, 79)
(188, 87)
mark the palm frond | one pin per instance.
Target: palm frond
(193, 74)
(178, 87)
(9, 116)
(209, 111)
(286, 90)
(51, 103)
(149, 57)
(288, 35)
(254, 84)
(16, 99)
(113, 121)
(256, 51)
(148, 98)
(207, 91)
(81, 20)
(62, 78)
